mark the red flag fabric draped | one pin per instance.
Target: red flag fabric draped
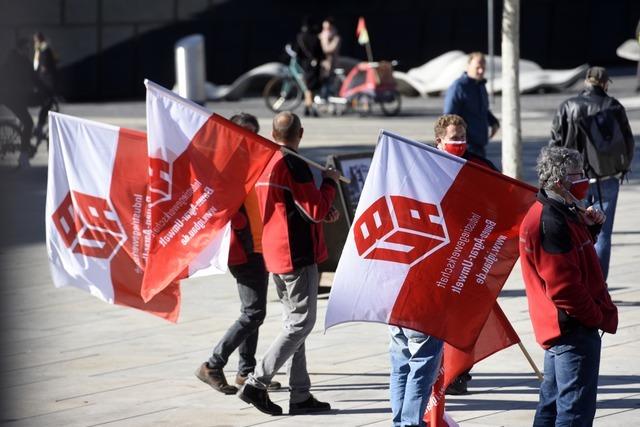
(96, 214)
(496, 334)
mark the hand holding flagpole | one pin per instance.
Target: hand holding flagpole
(312, 163)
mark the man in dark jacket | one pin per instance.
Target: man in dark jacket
(566, 291)
(292, 210)
(45, 66)
(467, 97)
(566, 132)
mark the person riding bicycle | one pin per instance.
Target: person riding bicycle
(16, 92)
(310, 55)
(45, 66)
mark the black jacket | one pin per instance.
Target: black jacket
(565, 131)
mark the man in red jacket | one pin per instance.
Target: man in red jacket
(292, 210)
(566, 291)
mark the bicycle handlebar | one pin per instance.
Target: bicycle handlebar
(292, 53)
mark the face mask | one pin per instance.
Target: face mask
(457, 148)
(580, 188)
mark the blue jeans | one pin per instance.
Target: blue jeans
(253, 281)
(609, 189)
(568, 391)
(415, 361)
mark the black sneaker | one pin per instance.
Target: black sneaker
(457, 387)
(309, 406)
(259, 398)
(215, 378)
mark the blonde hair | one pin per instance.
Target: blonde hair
(440, 128)
(476, 54)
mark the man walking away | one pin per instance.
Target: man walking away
(247, 267)
(292, 210)
(596, 125)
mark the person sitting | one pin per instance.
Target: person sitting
(310, 54)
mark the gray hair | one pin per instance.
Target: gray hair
(553, 164)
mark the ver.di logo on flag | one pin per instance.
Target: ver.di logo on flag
(94, 230)
(400, 229)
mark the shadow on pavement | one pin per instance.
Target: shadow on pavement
(23, 205)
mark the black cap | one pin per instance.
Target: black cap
(598, 75)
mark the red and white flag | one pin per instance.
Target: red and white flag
(496, 334)
(434, 239)
(96, 222)
(119, 218)
(201, 167)
(361, 32)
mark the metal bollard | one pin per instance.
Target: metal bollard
(190, 68)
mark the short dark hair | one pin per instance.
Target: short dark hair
(286, 126)
(246, 120)
(440, 127)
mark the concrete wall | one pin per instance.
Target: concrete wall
(106, 47)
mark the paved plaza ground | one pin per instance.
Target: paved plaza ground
(68, 359)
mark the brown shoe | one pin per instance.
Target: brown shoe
(274, 385)
(215, 378)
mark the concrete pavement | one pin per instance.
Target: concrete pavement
(68, 359)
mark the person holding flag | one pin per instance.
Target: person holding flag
(450, 131)
(292, 210)
(246, 264)
(566, 290)
(415, 357)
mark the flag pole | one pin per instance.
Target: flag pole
(311, 163)
(369, 54)
(530, 360)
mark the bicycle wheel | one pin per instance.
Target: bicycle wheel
(364, 104)
(282, 94)
(390, 102)
(9, 138)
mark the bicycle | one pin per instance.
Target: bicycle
(11, 131)
(286, 91)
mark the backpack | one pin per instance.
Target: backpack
(605, 146)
